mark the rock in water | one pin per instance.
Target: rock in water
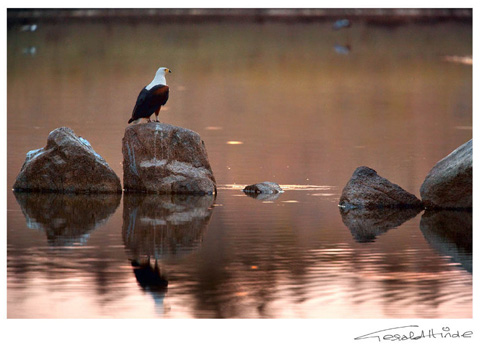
(67, 164)
(449, 184)
(165, 159)
(366, 189)
(263, 187)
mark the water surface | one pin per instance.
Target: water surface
(297, 104)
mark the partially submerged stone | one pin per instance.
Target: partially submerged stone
(264, 188)
(449, 183)
(165, 159)
(67, 164)
(366, 189)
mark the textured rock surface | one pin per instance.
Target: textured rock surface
(165, 159)
(366, 224)
(450, 233)
(449, 183)
(263, 187)
(366, 189)
(67, 164)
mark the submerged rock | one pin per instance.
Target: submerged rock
(449, 183)
(366, 224)
(67, 164)
(450, 233)
(366, 189)
(165, 159)
(263, 187)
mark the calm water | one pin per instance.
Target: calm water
(308, 105)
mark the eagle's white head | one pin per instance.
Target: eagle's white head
(163, 70)
(159, 78)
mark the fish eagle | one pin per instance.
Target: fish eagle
(152, 97)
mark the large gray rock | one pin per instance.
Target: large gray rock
(366, 189)
(165, 159)
(449, 184)
(67, 164)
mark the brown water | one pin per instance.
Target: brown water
(306, 112)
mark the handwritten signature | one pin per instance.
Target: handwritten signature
(411, 332)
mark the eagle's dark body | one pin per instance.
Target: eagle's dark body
(149, 102)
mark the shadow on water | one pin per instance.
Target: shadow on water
(449, 232)
(162, 226)
(365, 225)
(67, 219)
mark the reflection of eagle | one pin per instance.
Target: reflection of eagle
(149, 278)
(152, 97)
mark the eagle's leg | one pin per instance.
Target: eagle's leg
(157, 112)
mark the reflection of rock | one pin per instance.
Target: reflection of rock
(366, 189)
(365, 225)
(160, 226)
(66, 164)
(449, 183)
(263, 187)
(67, 219)
(450, 233)
(165, 159)
(263, 196)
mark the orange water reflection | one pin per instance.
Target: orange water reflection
(307, 118)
